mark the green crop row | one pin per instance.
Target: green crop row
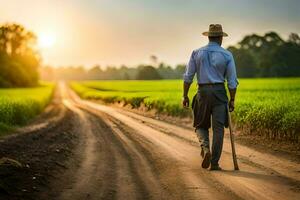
(19, 105)
(268, 107)
(163, 95)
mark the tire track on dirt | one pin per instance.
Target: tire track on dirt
(169, 171)
(179, 181)
(180, 133)
(174, 180)
(141, 162)
(131, 181)
(283, 167)
(279, 171)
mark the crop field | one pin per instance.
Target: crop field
(163, 95)
(19, 105)
(269, 107)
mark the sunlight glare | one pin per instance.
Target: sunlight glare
(46, 40)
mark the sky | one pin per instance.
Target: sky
(116, 32)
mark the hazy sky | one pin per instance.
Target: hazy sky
(114, 32)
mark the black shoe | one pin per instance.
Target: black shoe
(215, 168)
(206, 159)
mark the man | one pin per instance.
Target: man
(213, 65)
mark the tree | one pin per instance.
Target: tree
(267, 56)
(165, 71)
(147, 73)
(154, 60)
(95, 73)
(245, 62)
(180, 69)
(294, 38)
(19, 60)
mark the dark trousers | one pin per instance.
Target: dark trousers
(211, 109)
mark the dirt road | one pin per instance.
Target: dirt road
(93, 151)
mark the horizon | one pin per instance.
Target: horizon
(128, 32)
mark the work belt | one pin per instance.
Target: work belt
(209, 84)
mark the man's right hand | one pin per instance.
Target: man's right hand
(185, 102)
(231, 105)
(232, 97)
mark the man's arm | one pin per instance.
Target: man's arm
(186, 101)
(188, 79)
(232, 82)
(232, 93)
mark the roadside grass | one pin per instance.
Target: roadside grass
(19, 105)
(163, 95)
(266, 106)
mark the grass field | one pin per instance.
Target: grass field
(17, 106)
(270, 107)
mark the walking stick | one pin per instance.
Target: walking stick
(235, 163)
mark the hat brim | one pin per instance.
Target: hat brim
(215, 34)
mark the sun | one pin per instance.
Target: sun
(46, 40)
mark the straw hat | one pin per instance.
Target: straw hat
(215, 30)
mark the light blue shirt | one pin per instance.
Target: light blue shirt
(212, 64)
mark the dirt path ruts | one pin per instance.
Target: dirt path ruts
(108, 169)
(177, 179)
(258, 179)
(93, 151)
(135, 171)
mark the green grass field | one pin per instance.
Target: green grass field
(270, 107)
(17, 106)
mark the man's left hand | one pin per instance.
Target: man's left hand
(185, 102)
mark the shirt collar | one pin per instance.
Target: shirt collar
(213, 44)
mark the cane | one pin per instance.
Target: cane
(235, 163)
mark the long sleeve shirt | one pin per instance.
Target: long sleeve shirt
(211, 64)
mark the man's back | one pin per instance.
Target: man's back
(213, 64)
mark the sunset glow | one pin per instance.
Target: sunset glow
(46, 40)
(126, 32)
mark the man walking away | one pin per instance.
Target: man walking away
(213, 65)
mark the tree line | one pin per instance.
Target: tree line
(141, 72)
(267, 56)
